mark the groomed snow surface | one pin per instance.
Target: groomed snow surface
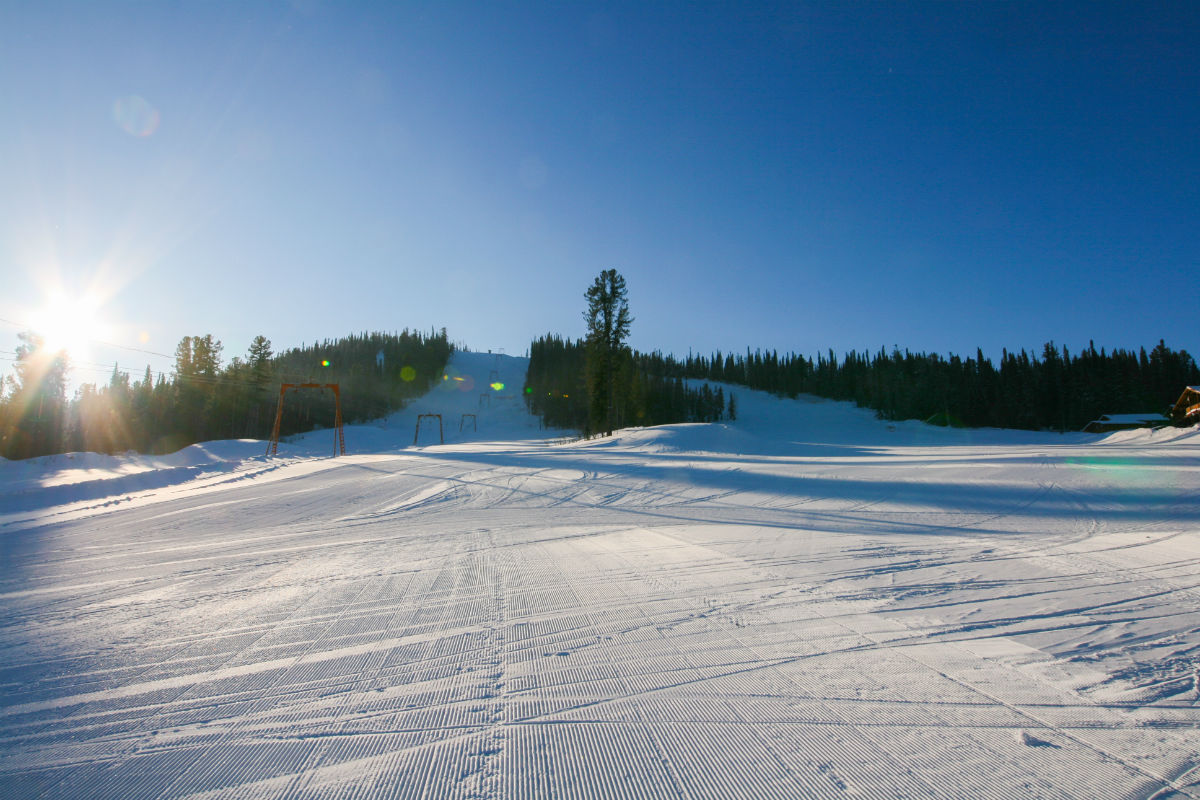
(806, 602)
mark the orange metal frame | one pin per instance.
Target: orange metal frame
(417, 433)
(339, 435)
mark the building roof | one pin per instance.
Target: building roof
(1131, 418)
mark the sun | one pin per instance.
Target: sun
(69, 324)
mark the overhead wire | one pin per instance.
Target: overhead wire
(97, 367)
(201, 380)
(100, 342)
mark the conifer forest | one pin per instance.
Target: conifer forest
(1059, 390)
(204, 398)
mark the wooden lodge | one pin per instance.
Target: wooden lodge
(1186, 410)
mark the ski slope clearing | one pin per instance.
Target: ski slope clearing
(806, 602)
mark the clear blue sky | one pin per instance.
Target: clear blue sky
(802, 176)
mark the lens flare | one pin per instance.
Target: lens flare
(497, 386)
(134, 115)
(1127, 473)
(408, 374)
(324, 362)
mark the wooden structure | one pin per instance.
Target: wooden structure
(420, 417)
(1186, 410)
(339, 436)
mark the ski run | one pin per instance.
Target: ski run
(806, 602)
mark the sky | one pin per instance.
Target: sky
(797, 176)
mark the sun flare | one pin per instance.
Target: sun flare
(69, 324)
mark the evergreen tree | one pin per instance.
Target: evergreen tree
(260, 394)
(608, 322)
(258, 357)
(555, 383)
(36, 407)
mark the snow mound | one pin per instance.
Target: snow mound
(771, 425)
(75, 478)
(1139, 436)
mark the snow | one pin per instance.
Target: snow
(807, 602)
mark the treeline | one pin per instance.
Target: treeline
(556, 389)
(1059, 390)
(204, 399)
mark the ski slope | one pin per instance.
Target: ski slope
(804, 603)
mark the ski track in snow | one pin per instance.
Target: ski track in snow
(806, 603)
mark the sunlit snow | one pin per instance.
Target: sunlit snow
(807, 602)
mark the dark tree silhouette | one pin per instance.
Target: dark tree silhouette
(608, 322)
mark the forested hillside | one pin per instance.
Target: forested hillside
(1058, 391)
(204, 399)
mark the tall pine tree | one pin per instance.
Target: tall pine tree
(608, 322)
